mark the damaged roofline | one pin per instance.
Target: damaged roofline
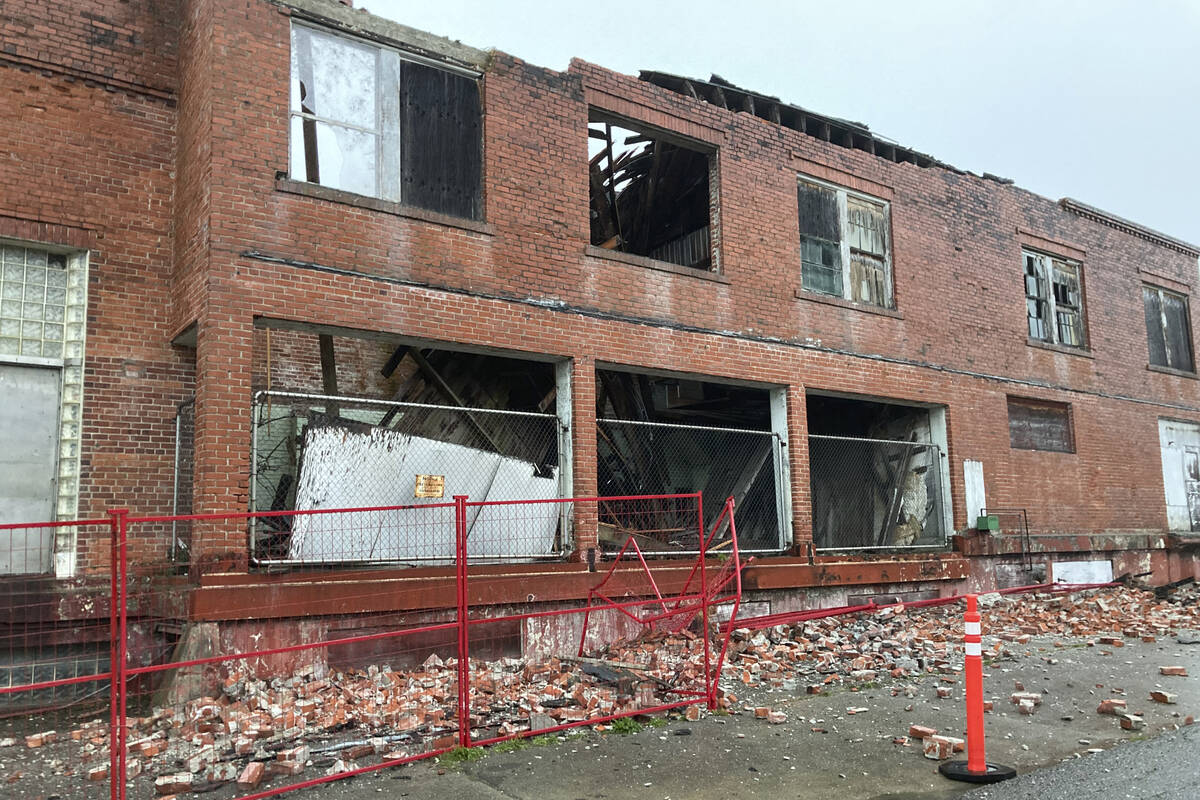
(858, 136)
(715, 91)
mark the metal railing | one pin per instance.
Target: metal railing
(875, 494)
(312, 451)
(307, 705)
(656, 458)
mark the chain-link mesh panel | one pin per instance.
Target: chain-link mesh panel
(644, 458)
(314, 452)
(875, 493)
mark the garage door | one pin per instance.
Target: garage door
(29, 431)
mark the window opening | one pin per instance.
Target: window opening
(1053, 300)
(1040, 425)
(844, 244)
(368, 121)
(649, 196)
(1168, 328)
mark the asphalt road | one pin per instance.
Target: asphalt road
(1165, 768)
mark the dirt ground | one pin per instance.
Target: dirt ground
(847, 740)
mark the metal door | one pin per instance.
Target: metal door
(29, 407)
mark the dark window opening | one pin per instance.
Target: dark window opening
(1168, 328)
(365, 120)
(1040, 425)
(649, 196)
(875, 475)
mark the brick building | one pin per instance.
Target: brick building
(297, 213)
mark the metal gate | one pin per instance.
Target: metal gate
(655, 458)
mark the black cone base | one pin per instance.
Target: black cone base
(957, 771)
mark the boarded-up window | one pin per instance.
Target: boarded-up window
(1054, 300)
(368, 121)
(1168, 328)
(1040, 425)
(844, 244)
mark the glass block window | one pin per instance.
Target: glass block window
(43, 315)
(33, 303)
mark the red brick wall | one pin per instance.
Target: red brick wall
(90, 148)
(523, 282)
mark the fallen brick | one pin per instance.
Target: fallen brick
(921, 732)
(1177, 671)
(1163, 697)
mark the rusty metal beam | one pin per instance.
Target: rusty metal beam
(431, 588)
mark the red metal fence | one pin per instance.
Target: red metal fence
(312, 699)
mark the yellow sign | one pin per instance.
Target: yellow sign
(430, 486)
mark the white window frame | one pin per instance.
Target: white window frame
(1046, 265)
(844, 253)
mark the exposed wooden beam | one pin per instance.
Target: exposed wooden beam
(329, 373)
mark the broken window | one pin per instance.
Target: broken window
(1053, 300)
(364, 119)
(649, 195)
(1040, 425)
(1168, 328)
(844, 250)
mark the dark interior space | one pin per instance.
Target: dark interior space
(875, 477)
(667, 435)
(649, 196)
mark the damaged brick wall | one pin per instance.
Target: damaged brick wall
(247, 244)
(87, 112)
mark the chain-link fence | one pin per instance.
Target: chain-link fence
(652, 458)
(875, 493)
(313, 452)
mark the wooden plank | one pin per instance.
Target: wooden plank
(329, 373)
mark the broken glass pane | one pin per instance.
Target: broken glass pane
(818, 212)
(347, 156)
(821, 266)
(868, 279)
(334, 78)
(866, 226)
(1177, 331)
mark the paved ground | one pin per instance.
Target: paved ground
(739, 756)
(1165, 768)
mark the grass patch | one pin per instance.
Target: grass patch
(658, 722)
(626, 725)
(512, 745)
(461, 755)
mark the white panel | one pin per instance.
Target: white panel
(973, 488)
(28, 464)
(349, 469)
(1175, 439)
(1081, 571)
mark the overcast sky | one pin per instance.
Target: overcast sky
(1099, 100)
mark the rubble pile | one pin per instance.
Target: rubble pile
(897, 642)
(317, 721)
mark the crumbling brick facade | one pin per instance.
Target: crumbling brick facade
(157, 140)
